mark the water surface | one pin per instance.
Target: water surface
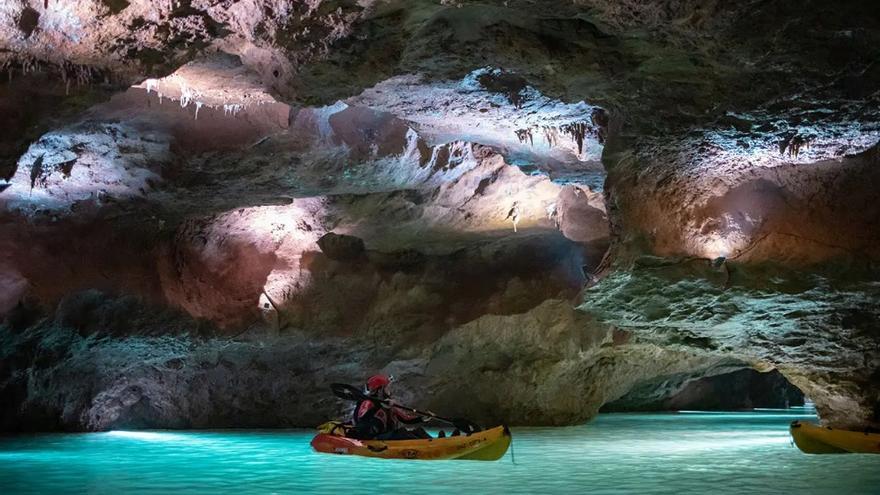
(676, 453)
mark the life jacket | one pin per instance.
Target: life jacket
(371, 419)
(368, 410)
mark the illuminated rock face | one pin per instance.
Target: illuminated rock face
(167, 172)
(795, 214)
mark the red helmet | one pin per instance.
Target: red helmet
(378, 382)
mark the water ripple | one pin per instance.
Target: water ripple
(692, 453)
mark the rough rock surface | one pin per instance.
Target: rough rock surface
(77, 370)
(553, 203)
(819, 329)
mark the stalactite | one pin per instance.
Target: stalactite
(525, 135)
(577, 131)
(7, 66)
(69, 73)
(600, 121)
(36, 171)
(232, 109)
(794, 149)
(793, 145)
(186, 95)
(551, 135)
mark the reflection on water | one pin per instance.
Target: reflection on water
(680, 453)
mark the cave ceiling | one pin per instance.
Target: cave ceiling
(687, 184)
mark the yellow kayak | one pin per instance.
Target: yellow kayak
(815, 439)
(486, 445)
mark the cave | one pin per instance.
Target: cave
(642, 236)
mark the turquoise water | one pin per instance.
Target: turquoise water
(682, 453)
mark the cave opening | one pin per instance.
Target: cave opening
(742, 389)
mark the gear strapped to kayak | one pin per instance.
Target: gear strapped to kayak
(469, 442)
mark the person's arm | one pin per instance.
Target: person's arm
(408, 417)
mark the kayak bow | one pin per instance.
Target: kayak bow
(815, 439)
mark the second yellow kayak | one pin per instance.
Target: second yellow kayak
(815, 439)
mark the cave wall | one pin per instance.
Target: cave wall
(551, 207)
(791, 214)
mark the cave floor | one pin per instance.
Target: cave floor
(696, 452)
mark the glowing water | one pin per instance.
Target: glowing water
(618, 453)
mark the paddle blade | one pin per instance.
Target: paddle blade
(347, 392)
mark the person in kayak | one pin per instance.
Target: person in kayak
(381, 420)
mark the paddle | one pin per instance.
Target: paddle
(348, 392)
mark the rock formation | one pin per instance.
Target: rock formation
(212, 210)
